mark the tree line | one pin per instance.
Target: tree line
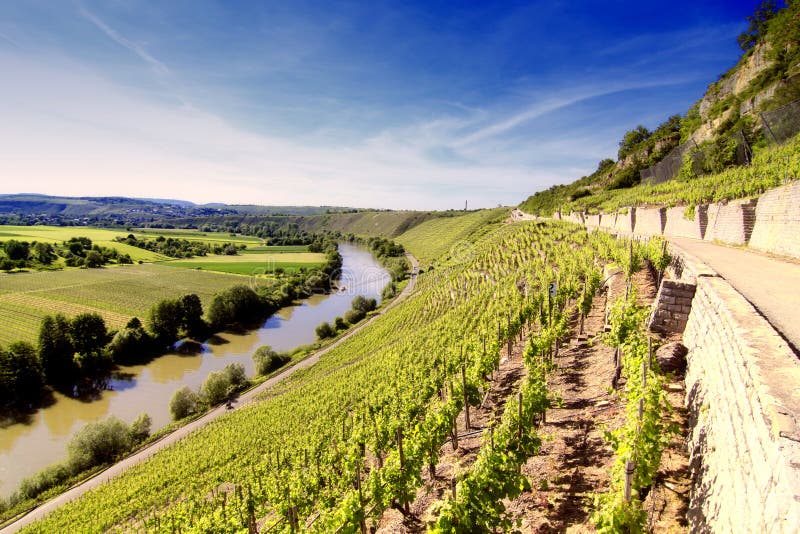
(179, 247)
(76, 252)
(76, 355)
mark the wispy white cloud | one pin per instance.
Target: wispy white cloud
(549, 104)
(114, 35)
(9, 40)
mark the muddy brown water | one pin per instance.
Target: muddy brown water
(25, 448)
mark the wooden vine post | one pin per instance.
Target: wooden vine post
(466, 397)
(519, 419)
(402, 465)
(454, 427)
(361, 522)
(630, 468)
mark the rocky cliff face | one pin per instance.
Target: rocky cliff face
(734, 83)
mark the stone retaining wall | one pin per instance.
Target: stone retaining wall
(731, 222)
(592, 221)
(649, 221)
(770, 223)
(777, 226)
(672, 307)
(743, 395)
(677, 225)
(625, 222)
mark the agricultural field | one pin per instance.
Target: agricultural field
(106, 237)
(59, 234)
(196, 235)
(293, 457)
(116, 293)
(253, 262)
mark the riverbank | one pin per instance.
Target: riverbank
(41, 440)
(244, 399)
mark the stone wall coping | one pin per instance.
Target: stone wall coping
(772, 367)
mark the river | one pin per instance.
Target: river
(25, 448)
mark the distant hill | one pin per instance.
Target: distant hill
(766, 77)
(29, 208)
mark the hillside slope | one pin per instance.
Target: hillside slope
(725, 123)
(437, 237)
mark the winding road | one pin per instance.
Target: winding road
(118, 468)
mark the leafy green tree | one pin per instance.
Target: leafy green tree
(99, 443)
(632, 139)
(267, 360)
(234, 372)
(325, 330)
(341, 324)
(192, 319)
(93, 259)
(353, 316)
(16, 250)
(56, 351)
(235, 304)
(21, 378)
(364, 304)
(184, 402)
(140, 428)
(164, 319)
(757, 26)
(88, 333)
(44, 253)
(215, 389)
(131, 344)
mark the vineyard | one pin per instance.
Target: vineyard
(770, 168)
(435, 238)
(117, 294)
(333, 447)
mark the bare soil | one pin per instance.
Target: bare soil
(574, 461)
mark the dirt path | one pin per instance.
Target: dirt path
(575, 459)
(504, 382)
(246, 398)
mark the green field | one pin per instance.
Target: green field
(275, 249)
(253, 263)
(196, 235)
(116, 293)
(105, 237)
(119, 293)
(59, 234)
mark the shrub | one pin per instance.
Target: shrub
(354, 316)
(325, 330)
(267, 360)
(183, 403)
(340, 324)
(140, 428)
(216, 388)
(99, 443)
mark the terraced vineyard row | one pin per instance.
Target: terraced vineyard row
(332, 447)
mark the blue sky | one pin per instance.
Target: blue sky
(412, 105)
